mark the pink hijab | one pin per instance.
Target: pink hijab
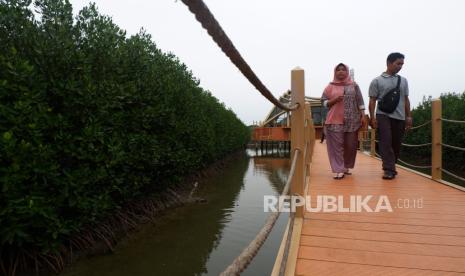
(335, 89)
(345, 81)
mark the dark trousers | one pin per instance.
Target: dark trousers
(391, 132)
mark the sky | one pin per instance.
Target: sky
(275, 36)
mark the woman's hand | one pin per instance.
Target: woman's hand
(363, 119)
(373, 123)
(335, 100)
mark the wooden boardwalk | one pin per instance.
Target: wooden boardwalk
(407, 241)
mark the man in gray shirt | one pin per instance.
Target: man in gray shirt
(391, 126)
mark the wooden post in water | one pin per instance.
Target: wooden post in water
(297, 134)
(373, 142)
(436, 134)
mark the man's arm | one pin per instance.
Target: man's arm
(371, 108)
(408, 114)
(373, 93)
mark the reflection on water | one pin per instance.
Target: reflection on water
(203, 239)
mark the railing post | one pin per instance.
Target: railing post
(297, 134)
(373, 142)
(308, 125)
(436, 135)
(311, 137)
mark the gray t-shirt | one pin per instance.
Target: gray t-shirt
(381, 85)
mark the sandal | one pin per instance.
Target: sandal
(339, 176)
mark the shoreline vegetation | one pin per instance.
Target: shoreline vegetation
(92, 121)
(102, 238)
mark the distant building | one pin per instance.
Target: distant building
(278, 118)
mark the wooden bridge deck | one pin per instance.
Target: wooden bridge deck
(407, 241)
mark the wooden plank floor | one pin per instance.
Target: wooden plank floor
(407, 241)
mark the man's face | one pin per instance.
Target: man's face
(396, 65)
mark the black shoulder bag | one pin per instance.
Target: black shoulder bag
(390, 101)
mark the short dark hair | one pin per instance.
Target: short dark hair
(394, 56)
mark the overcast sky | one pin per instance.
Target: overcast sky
(275, 36)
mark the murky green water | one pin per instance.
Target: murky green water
(203, 239)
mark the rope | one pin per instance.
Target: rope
(453, 121)
(452, 147)
(242, 261)
(408, 164)
(454, 175)
(208, 21)
(422, 125)
(414, 166)
(282, 268)
(291, 173)
(419, 145)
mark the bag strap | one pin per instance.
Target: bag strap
(398, 83)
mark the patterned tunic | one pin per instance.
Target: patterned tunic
(353, 102)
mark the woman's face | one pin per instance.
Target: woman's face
(341, 72)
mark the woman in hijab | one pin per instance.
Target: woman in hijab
(345, 116)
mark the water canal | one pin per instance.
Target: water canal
(203, 239)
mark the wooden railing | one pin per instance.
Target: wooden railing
(436, 144)
(302, 134)
(302, 140)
